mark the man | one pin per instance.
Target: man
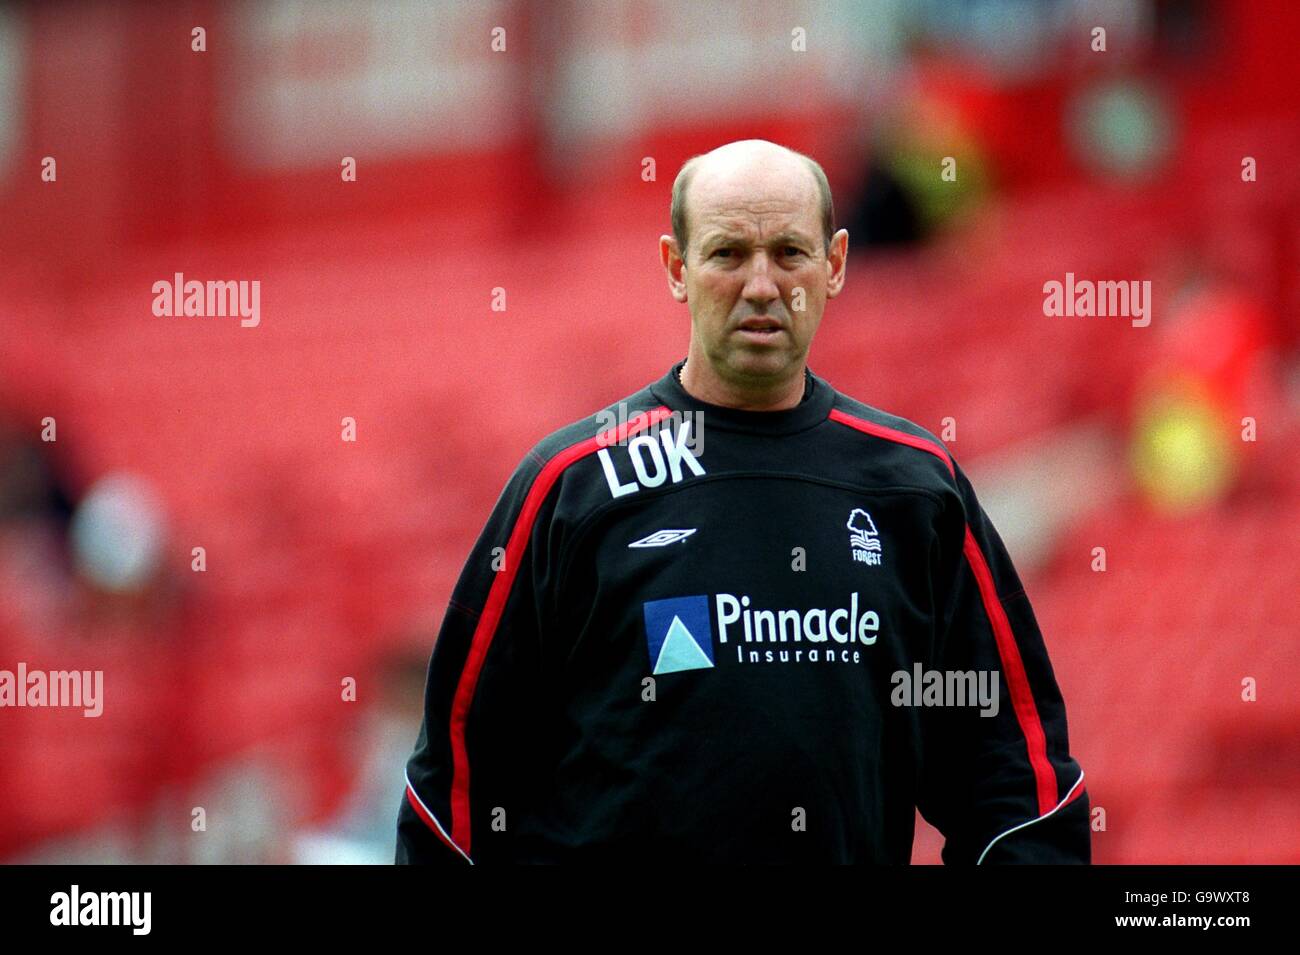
(690, 628)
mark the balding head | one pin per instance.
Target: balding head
(738, 165)
(754, 257)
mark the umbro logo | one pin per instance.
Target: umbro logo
(663, 538)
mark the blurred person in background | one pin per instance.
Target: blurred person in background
(361, 832)
(37, 502)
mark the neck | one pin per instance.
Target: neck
(701, 382)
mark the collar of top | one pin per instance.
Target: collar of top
(816, 405)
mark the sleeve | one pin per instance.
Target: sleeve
(475, 759)
(1002, 787)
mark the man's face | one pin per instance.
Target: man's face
(756, 275)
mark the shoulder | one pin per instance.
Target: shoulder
(882, 425)
(608, 425)
(903, 449)
(565, 466)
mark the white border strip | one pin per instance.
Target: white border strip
(435, 819)
(1031, 821)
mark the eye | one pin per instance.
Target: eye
(792, 250)
(718, 252)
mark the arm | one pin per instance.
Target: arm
(473, 759)
(1001, 788)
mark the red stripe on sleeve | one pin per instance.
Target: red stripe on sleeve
(496, 602)
(890, 434)
(1022, 696)
(428, 819)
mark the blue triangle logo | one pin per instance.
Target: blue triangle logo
(680, 651)
(679, 635)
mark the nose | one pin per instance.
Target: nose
(759, 285)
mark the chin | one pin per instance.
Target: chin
(757, 366)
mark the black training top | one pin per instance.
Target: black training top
(693, 632)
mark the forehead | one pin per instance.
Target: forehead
(755, 203)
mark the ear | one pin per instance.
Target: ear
(674, 265)
(837, 260)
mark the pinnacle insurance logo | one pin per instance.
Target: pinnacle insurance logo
(680, 634)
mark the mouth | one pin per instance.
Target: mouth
(760, 328)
